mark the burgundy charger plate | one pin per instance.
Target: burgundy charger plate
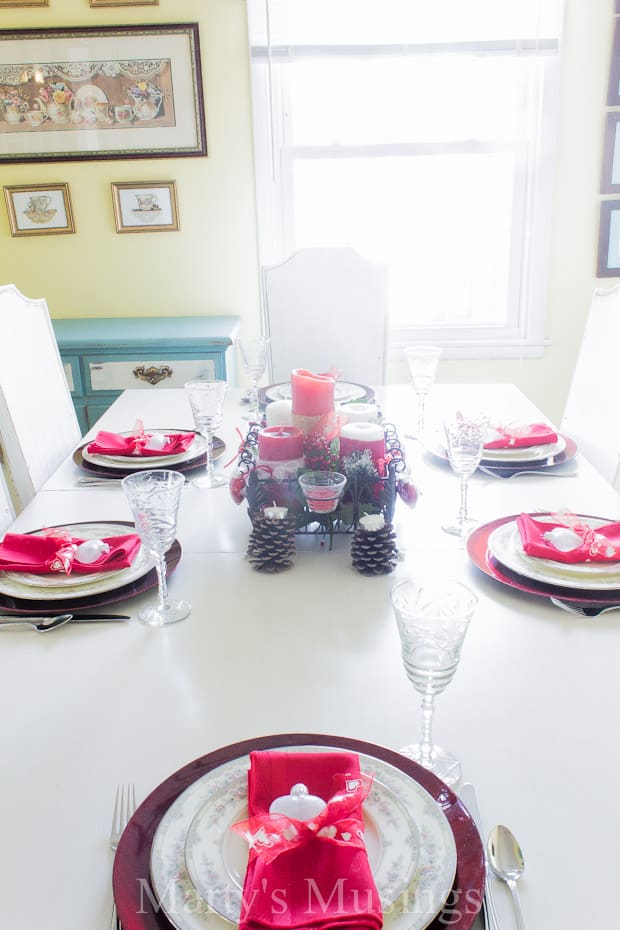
(135, 899)
(107, 472)
(478, 552)
(20, 605)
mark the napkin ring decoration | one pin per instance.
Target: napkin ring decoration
(270, 835)
(595, 543)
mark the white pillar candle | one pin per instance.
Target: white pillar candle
(359, 413)
(279, 413)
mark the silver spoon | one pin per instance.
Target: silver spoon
(41, 624)
(506, 860)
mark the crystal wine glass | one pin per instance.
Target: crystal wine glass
(465, 437)
(207, 400)
(422, 361)
(154, 498)
(254, 358)
(432, 615)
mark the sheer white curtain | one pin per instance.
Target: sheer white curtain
(420, 133)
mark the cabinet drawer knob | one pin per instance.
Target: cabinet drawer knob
(152, 375)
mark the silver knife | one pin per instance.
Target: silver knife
(75, 618)
(467, 794)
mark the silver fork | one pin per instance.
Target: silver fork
(580, 611)
(517, 474)
(124, 807)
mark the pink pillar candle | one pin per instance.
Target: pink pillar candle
(313, 395)
(356, 437)
(280, 444)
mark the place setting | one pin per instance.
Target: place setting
(289, 830)
(515, 449)
(74, 567)
(571, 559)
(115, 455)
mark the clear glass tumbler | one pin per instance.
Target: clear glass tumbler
(422, 360)
(206, 399)
(254, 357)
(432, 615)
(154, 497)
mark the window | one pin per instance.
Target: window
(419, 132)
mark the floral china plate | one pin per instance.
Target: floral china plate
(197, 868)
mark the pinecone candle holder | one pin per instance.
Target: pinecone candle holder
(373, 547)
(271, 547)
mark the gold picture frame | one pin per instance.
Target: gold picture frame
(145, 206)
(39, 209)
(14, 3)
(124, 2)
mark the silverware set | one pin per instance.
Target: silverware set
(47, 624)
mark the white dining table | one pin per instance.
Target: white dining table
(532, 712)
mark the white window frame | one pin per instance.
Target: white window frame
(522, 336)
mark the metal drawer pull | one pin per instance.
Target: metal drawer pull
(152, 375)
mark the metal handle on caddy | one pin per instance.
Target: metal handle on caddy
(152, 375)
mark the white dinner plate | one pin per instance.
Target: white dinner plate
(197, 448)
(402, 818)
(525, 453)
(506, 546)
(54, 586)
(343, 391)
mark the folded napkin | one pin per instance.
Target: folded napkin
(140, 444)
(570, 541)
(57, 553)
(322, 879)
(517, 437)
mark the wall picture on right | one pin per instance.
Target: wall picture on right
(609, 240)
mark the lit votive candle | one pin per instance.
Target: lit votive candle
(275, 513)
(356, 437)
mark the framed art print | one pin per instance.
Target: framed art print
(101, 92)
(609, 240)
(39, 209)
(145, 206)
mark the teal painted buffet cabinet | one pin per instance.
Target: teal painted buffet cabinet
(104, 356)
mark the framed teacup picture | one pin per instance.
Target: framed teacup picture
(39, 209)
(145, 206)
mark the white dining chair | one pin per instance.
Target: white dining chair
(590, 414)
(38, 424)
(326, 309)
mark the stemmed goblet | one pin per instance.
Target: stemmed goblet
(254, 358)
(154, 497)
(206, 399)
(465, 437)
(422, 360)
(432, 616)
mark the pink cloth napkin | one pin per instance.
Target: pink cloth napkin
(600, 545)
(41, 554)
(517, 437)
(113, 444)
(321, 884)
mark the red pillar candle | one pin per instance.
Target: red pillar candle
(280, 444)
(313, 395)
(355, 437)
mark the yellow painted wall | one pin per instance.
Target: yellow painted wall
(210, 265)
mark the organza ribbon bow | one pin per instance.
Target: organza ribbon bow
(270, 835)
